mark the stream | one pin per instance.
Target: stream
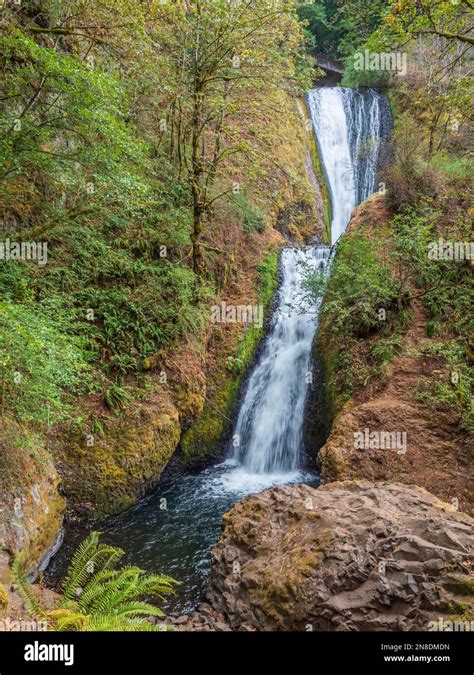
(173, 529)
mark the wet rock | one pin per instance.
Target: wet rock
(31, 508)
(345, 556)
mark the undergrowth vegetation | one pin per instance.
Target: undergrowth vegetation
(364, 312)
(447, 292)
(97, 595)
(98, 161)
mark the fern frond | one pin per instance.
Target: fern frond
(65, 619)
(77, 566)
(110, 599)
(155, 585)
(94, 588)
(109, 623)
(90, 558)
(106, 595)
(137, 608)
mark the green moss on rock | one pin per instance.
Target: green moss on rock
(121, 466)
(32, 508)
(203, 438)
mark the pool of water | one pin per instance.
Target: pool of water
(173, 530)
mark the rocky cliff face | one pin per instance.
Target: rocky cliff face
(345, 556)
(31, 508)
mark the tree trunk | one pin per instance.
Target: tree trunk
(199, 266)
(197, 176)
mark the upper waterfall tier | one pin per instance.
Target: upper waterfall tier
(349, 125)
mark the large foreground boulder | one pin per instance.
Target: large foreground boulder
(345, 556)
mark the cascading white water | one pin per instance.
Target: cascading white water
(268, 432)
(348, 124)
(330, 125)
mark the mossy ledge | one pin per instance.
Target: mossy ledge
(204, 437)
(32, 507)
(121, 465)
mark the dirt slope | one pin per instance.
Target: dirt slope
(438, 453)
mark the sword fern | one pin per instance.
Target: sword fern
(95, 596)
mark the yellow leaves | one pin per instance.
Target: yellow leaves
(3, 599)
(67, 619)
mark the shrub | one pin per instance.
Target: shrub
(454, 387)
(359, 286)
(39, 363)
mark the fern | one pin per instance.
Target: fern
(108, 623)
(98, 597)
(66, 619)
(89, 557)
(95, 588)
(135, 609)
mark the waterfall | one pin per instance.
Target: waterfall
(349, 125)
(267, 437)
(267, 443)
(268, 432)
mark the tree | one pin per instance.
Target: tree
(450, 19)
(437, 86)
(228, 56)
(320, 26)
(357, 19)
(337, 27)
